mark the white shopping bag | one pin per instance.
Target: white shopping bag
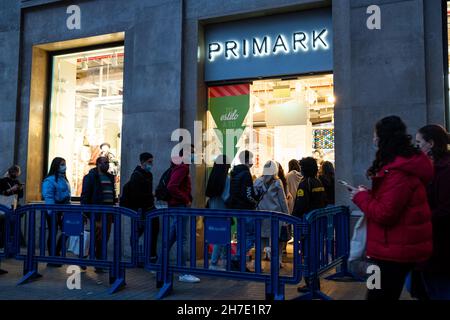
(358, 245)
(9, 201)
(74, 244)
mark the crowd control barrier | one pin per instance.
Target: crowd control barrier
(326, 246)
(217, 230)
(6, 238)
(72, 221)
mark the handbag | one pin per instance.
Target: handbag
(358, 243)
(9, 201)
(74, 244)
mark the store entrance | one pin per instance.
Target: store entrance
(284, 120)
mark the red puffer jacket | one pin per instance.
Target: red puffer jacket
(397, 211)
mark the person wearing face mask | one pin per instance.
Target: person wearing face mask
(399, 228)
(10, 187)
(11, 190)
(56, 190)
(433, 280)
(243, 196)
(179, 189)
(138, 195)
(98, 188)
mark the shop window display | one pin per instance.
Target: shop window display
(284, 120)
(86, 111)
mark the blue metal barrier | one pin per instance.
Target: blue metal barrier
(6, 238)
(275, 283)
(73, 222)
(326, 246)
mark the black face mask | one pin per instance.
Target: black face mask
(13, 176)
(104, 167)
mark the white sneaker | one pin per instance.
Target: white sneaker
(188, 278)
(216, 267)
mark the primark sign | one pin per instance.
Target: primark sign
(279, 45)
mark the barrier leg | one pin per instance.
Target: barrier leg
(274, 291)
(164, 276)
(314, 291)
(30, 265)
(117, 272)
(117, 282)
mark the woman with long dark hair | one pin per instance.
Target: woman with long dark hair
(326, 176)
(434, 141)
(218, 190)
(55, 190)
(399, 232)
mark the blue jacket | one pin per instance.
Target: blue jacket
(56, 192)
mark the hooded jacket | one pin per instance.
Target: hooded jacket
(439, 200)
(242, 194)
(397, 211)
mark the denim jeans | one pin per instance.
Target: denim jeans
(173, 236)
(218, 252)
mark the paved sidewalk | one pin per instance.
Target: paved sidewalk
(141, 286)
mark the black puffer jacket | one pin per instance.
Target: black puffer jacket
(141, 190)
(310, 196)
(242, 194)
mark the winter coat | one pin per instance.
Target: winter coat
(6, 183)
(310, 196)
(242, 194)
(272, 198)
(179, 185)
(293, 179)
(219, 202)
(92, 188)
(328, 184)
(56, 191)
(439, 200)
(397, 211)
(140, 190)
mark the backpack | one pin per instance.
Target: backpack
(161, 192)
(125, 199)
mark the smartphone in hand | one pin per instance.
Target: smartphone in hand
(347, 185)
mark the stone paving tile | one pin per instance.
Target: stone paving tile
(141, 286)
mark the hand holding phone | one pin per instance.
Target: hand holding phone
(347, 185)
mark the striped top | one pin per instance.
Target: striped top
(107, 189)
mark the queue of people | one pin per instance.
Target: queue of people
(407, 206)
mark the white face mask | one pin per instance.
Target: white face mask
(375, 142)
(423, 145)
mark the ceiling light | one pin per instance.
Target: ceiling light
(331, 99)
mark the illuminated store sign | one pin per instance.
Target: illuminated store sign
(278, 45)
(266, 46)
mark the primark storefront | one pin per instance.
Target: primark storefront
(286, 79)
